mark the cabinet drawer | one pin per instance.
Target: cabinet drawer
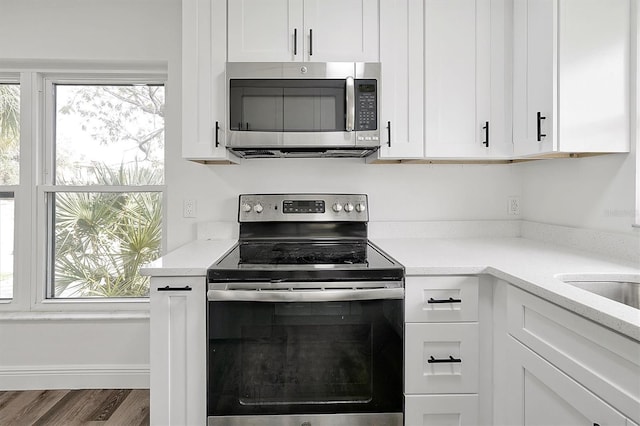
(427, 299)
(441, 358)
(600, 359)
(441, 410)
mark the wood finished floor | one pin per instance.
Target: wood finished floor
(109, 407)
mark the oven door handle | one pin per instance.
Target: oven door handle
(332, 295)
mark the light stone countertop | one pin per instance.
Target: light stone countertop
(528, 264)
(192, 259)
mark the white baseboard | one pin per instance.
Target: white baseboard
(36, 377)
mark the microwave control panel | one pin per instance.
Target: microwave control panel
(366, 94)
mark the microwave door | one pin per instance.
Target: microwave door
(317, 109)
(257, 109)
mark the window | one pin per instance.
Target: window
(9, 179)
(103, 186)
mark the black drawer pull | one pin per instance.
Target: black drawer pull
(449, 300)
(540, 117)
(433, 360)
(486, 134)
(168, 288)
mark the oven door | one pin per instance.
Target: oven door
(331, 360)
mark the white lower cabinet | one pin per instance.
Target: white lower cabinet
(178, 350)
(543, 395)
(441, 350)
(441, 410)
(562, 369)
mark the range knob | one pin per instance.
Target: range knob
(258, 208)
(348, 207)
(360, 207)
(337, 207)
(246, 208)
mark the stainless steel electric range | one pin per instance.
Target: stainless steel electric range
(305, 318)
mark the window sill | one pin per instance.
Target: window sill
(73, 316)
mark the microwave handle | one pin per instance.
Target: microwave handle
(351, 105)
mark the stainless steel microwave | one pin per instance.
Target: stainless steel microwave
(303, 109)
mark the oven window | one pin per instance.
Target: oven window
(300, 105)
(283, 358)
(282, 364)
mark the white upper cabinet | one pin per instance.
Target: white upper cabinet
(571, 76)
(204, 34)
(464, 111)
(303, 30)
(402, 88)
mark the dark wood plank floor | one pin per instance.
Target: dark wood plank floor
(109, 407)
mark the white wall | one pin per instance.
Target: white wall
(396, 192)
(593, 192)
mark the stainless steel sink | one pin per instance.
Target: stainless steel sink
(622, 288)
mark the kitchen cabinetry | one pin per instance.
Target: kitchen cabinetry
(303, 30)
(178, 350)
(551, 397)
(570, 76)
(402, 91)
(204, 28)
(579, 371)
(464, 83)
(441, 350)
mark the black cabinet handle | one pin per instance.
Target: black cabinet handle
(451, 359)
(310, 42)
(449, 300)
(217, 131)
(540, 134)
(389, 133)
(295, 41)
(486, 134)
(169, 288)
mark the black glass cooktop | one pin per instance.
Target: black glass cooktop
(295, 260)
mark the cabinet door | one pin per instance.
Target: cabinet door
(178, 351)
(457, 77)
(341, 30)
(402, 91)
(203, 79)
(441, 410)
(265, 30)
(570, 76)
(540, 394)
(534, 82)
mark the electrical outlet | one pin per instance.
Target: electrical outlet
(513, 206)
(189, 208)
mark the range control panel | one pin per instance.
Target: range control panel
(303, 208)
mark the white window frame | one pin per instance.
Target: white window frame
(635, 122)
(37, 114)
(17, 190)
